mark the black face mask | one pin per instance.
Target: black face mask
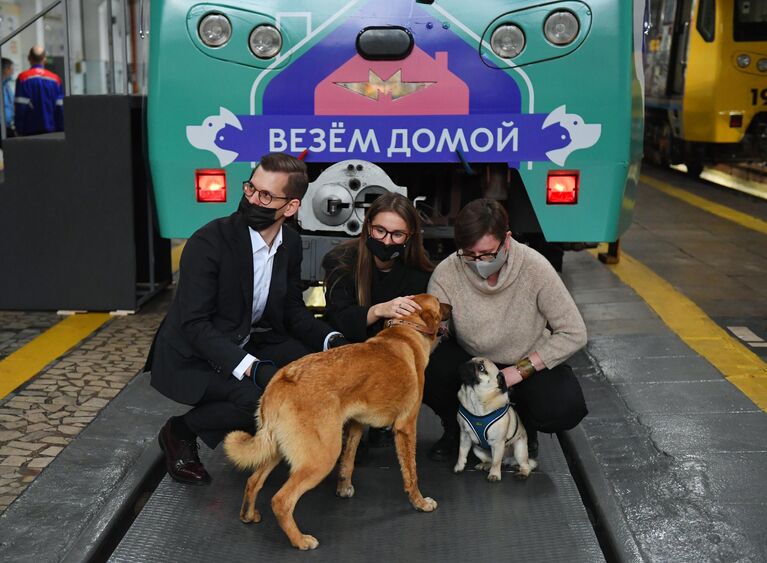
(258, 218)
(384, 252)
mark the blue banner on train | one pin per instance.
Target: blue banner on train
(509, 138)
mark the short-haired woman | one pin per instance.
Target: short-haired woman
(371, 278)
(510, 306)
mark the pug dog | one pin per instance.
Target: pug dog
(489, 423)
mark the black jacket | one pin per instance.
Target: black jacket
(211, 312)
(343, 311)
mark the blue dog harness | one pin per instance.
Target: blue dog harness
(481, 424)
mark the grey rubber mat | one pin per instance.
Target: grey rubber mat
(541, 519)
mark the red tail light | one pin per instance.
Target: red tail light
(736, 120)
(562, 187)
(210, 184)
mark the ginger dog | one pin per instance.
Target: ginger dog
(303, 411)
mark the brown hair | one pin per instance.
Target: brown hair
(353, 256)
(298, 178)
(479, 218)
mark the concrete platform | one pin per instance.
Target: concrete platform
(680, 451)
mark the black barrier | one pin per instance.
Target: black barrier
(76, 213)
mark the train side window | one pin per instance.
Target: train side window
(750, 19)
(706, 23)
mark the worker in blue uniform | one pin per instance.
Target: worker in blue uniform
(39, 101)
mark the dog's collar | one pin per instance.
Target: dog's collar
(420, 328)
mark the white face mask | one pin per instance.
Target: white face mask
(486, 269)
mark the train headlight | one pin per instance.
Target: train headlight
(265, 41)
(507, 41)
(743, 60)
(214, 30)
(561, 27)
(761, 65)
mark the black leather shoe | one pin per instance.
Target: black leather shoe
(181, 458)
(380, 437)
(446, 447)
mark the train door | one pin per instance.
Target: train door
(680, 41)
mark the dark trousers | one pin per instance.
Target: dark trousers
(230, 404)
(442, 382)
(549, 401)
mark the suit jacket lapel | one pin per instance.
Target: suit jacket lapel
(244, 251)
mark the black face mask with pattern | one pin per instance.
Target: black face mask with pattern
(258, 218)
(384, 252)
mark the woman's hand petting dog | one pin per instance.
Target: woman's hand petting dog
(396, 308)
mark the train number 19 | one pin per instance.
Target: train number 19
(756, 95)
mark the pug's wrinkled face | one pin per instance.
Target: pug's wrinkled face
(483, 375)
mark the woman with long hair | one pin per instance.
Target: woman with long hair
(371, 278)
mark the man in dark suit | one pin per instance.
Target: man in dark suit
(238, 315)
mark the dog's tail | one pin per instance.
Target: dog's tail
(249, 452)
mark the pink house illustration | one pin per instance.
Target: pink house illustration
(417, 85)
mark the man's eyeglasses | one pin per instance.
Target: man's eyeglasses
(379, 233)
(486, 257)
(264, 197)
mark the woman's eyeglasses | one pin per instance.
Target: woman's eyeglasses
(379, 233)
(264, 197)
(486, 257)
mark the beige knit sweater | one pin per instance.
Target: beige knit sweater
(507, 322)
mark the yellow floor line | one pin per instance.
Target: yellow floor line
(27, 361)
(175, 256)
(722, 211)
(739, 365)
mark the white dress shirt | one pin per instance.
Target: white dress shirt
(263, 263)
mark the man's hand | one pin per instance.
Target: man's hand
(337, 340)
(511, 375)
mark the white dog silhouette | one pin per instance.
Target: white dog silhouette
(582, 135)
(204, 136)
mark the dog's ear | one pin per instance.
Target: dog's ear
(429, 317)
(468, 373)
(445, 311)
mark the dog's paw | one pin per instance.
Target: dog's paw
(305, 541)
(248, 517)
(459, 467)
(494, 477)
(524, 471)
(345, 491)
(483, 466)
(427, 505)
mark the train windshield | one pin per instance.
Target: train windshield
(750, 21)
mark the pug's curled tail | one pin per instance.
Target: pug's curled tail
(249, 452)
